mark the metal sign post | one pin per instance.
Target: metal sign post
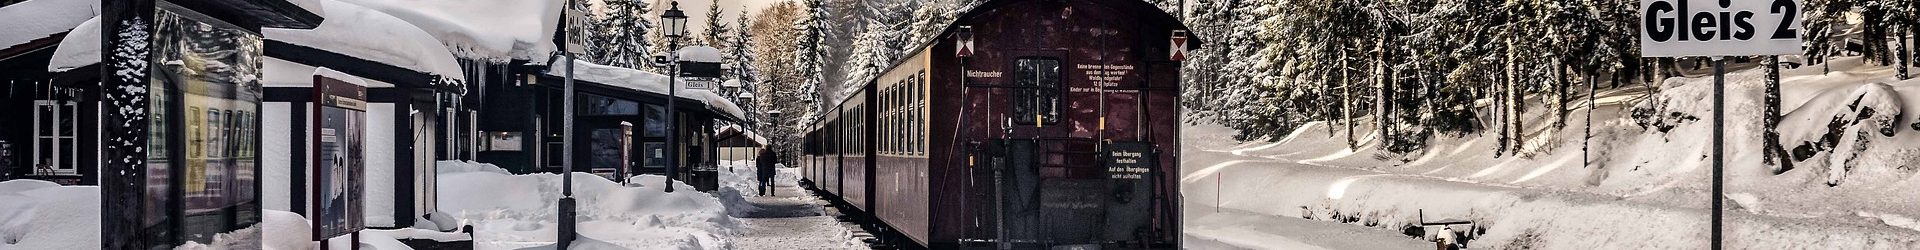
(1674, 28)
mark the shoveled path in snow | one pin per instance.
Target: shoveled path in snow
(792, 219)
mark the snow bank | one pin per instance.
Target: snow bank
(40, 215)
(491, 30)
(643, 81)
(288, 230)
(1645, 185)
(515, 211)
(349, 29)
(36, 19)
(244, 238)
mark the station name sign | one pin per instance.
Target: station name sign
(1672, 28)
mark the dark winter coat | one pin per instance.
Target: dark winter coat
(764, 163)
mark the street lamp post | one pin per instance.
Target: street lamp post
(676, 24)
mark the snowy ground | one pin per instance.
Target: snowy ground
(791, 218)
(42, 215)
(1644, 188)
(520, 211)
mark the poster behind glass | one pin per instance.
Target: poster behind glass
(207, 96)
(341, 153)
(607, 143)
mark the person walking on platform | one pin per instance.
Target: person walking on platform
(764, 167)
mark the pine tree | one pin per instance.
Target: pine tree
(880, 44)
(739, 51)
(774, 45)
(812, 54)
(716, 33)
(620, 34)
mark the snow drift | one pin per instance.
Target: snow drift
(516, 211)
(42, 215)
(1645, 182)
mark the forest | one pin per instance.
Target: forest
(1428, 68)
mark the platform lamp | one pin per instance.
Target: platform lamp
(676, 25)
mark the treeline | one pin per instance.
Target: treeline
(1424, 68)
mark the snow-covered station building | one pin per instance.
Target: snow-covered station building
(446, 80)
(47, 144)
(158, 139)
(606, 99)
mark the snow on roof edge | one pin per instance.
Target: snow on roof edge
(80, 48)
(700, 54)
(477, 29)
(337, 75)
(348, 26)
(643, 81)
(36, 19)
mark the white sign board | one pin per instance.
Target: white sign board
(1671, 28)
(700, 83)
(576, 31)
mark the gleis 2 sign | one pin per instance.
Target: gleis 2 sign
(1671, 28)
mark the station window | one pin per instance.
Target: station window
(1037, 97)
(55, 149)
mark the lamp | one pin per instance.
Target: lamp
(675, 20)
(676, 24)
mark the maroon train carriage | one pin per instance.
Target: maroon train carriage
(1025, 124)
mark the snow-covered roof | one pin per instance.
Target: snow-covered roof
(35, 19)
(492, 30)
(282, 73)
(700, 54)
(80, 48)
(363, 33)
(735, 83)
(642, 81)
(337, 75)
(743, 132)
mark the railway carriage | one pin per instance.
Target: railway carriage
(1025, 124)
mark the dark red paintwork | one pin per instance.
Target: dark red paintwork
(935, 198)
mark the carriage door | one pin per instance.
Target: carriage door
(1042, 201)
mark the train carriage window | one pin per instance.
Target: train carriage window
(886, 120)
(920, 110)
(193, 123)
(1037, 99)
(899, 118)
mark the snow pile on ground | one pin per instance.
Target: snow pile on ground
(517, 211)
(739, 179)
(245, 238)
(1645, 183)
(42, 215)
(289, 231)
(32, 20)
